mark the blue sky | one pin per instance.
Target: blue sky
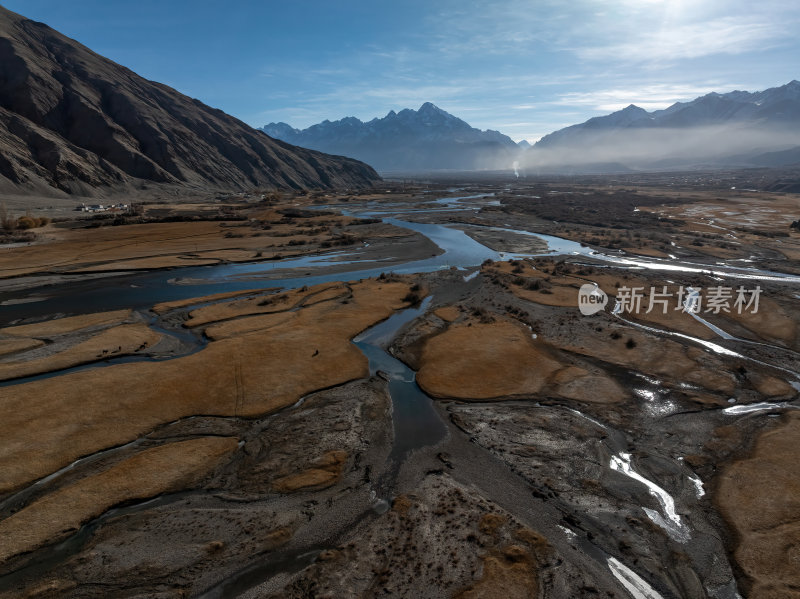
(525, 68)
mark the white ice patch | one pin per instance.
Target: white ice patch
(655, 405)
(636, 586)
(571, 534)
(760, 406)
(695, 480)
(698, 485)
(649, 379)
(670, 521)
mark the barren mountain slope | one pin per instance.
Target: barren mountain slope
(72, 120)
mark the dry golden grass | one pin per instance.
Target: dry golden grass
(165, 307)
(68, 249)
(651, 252)
(790, 253)
(484, 361)
(448, 313)
(50, 423)
(62, 326)
(770, 385)
(510, 570)
(508, 574)
(771, 322)
(581, 385)
(152, 472)
(326, 471)
(660, 357)
(762, 211)
(240, 326)
(760, 498)
(563, 296)
(15, 346)
(148, 264)
(236, 255)
(110, 343)
(264, 304)
(325, 292)
(155, 245)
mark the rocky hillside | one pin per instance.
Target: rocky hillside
(73, 121)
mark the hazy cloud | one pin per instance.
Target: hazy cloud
(654, 147)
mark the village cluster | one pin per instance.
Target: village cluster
(101, 208)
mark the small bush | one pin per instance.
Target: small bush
(534, 285)
(26, 222)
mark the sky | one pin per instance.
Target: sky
(525, 68)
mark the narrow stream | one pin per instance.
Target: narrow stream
(416, 425)
(416, 422)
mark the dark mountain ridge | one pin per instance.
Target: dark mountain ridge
(73, 121)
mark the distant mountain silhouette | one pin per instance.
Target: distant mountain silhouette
(733, 129)
(72, 121)
(409, 140)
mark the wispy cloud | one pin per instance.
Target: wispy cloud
(650, 97)
(530, 68)
(673, 43)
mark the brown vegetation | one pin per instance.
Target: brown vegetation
(110, 343)
(70, 324)
(54, 421)
(326, 471)
(152, 472)
(483, 361)
(760, 498)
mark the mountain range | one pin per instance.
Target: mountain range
(735, 129)
(409, 140)
(72, 121)
(738, 128)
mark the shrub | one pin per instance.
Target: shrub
(26, 222)
(533, 285)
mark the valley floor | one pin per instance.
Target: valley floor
(395, 393)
